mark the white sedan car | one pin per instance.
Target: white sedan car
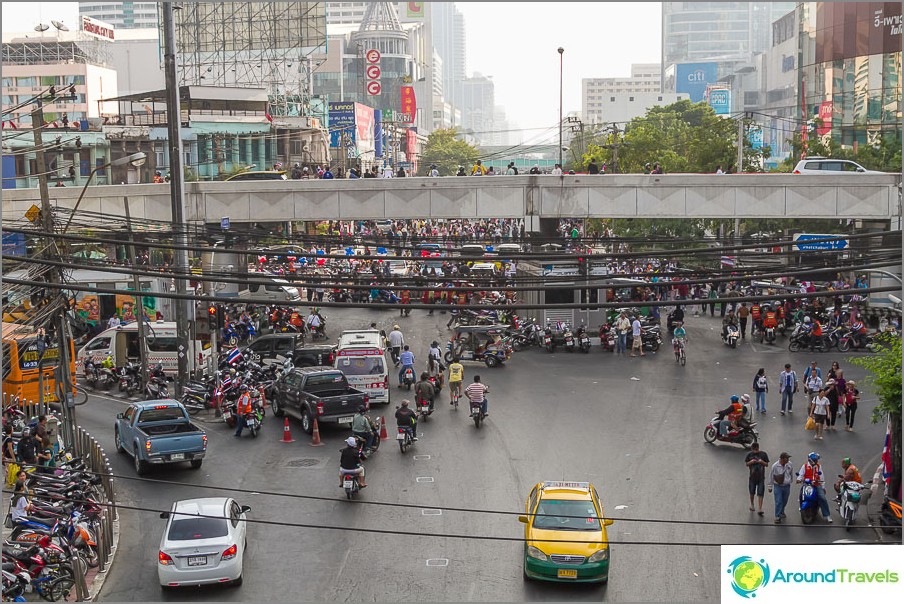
(204, 543)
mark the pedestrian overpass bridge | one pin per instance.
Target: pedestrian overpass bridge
(850, 196)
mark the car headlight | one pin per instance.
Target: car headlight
(535, 553)
(599, 556)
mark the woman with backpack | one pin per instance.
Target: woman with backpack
(760, 387)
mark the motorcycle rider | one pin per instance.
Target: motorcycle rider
(728, 319)
(406, 417)
(858, 332)
(812, 470)
(396, 341)
(363, 427)
(679, 335)
(730, 415)
(456, 375)
(476, 393)
(242, 408)
(425, 390)
(677, 316)
(769, 317)
(350, 462)
(756, 315)
(407, 361)
(851, 474)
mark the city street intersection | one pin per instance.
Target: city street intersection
(631, 426)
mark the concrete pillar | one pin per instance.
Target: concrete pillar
(207, 168)
(248, 146)
(236, 141)
(262, 153)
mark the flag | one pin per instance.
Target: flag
(887, 462)
(234, 356)
(268, 116)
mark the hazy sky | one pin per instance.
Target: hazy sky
(513, 42)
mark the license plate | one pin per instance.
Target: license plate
(202, 561)
(226, 415)
(177, 457)
(400, 436)
(347, 484)
(346, 420)
(565, 573)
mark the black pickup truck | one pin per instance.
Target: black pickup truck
(321, 392)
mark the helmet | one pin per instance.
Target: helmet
(734, 398)
(26, 432)
(807, 320)
(814, 456)
(846, 461)
(361, 408)
(434, 344)
(745, 398)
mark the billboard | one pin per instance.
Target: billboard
(415, 10)
(351, 124)
(720, 100)
(693, 78)
(845, 30)
(342, 121)
(409, 104)
(364, 128)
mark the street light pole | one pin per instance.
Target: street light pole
(561, 53)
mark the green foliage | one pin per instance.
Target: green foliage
(447, 152)
(682, 137)
(885, 377)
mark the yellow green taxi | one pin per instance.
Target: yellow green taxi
(565, 534)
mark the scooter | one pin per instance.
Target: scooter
(407, 378)
(548, 341)
(583, 339)
(424, 408)
(350, 484)
(607, 337)
(477, 413)
(744, 436)
(848, 501)
(405, 438)
(731, 336)
(128, 379)
(809, 502)
(156, 388)
(568, 336)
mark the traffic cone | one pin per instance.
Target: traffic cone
(287, 434)
(383, 434)
(315, 442)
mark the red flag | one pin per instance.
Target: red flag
(268, 116)
(887, 461)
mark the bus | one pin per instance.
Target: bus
(23, 351)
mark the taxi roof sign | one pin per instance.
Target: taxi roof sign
(559, 484)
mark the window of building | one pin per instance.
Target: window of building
(631, 99)
(611, 99)
(10, 100)
(8, 82)
(48, 81)
(27, 82)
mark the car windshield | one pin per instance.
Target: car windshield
(163, 414)
(555, 514)
(189, 528)
(372, 365)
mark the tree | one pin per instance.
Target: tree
(448, 152)
(885, 380)
(884, 155)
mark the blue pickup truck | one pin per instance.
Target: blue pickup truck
(159, 432)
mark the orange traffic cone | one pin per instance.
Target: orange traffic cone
(287, 434)
(383, 434)
(315, 442)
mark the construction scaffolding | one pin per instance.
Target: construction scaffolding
(55, 51)
(251, 44)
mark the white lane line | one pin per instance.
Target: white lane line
(431, 512)
(424, 479)
(421, 457)
(437, 562)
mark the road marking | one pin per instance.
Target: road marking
(424, 479)
(431, 512)
(421, 457)
(438, 562)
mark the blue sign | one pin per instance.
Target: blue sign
(693, 78)
(801, 245)
(720, 101)
(224, 223)
(13, 244)
(755, 136)
(342, 122)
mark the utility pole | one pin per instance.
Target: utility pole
(184, 308)
(139, 302)
(64, 377)
(741, 144)
(561, 125)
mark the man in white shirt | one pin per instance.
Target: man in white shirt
(780, 476)
(557, 170)
(396, 341)
(637, 344)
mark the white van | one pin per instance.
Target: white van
(361, 356)
(162, 347)
(274, 288)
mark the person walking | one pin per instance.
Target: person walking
(760, 388)
(812, 384)
(788, 385)
(809, 371)
(850, 405)
(743, 314)
(712, 295)
(396, 341)
(637, 344)
(780, 476)
(756, 461)
(837, 395)
(819, 411)
(622, 325)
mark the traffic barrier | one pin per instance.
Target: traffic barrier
(383, 434)
(315, 442)
(287, 434)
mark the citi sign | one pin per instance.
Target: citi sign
(696, 76)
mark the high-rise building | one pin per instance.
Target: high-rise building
(478, 107)
(449, 41)
(122, 15)
(713, 37)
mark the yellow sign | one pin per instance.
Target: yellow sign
(33, 213)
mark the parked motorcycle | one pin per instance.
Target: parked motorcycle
(745, 436)
(650, 337)
(583, 339)
(731, 336)
(608, 337)
(129, 380)
(848, 501)
(548, 341)
(156, 388)
(808, 499)
(568, 338)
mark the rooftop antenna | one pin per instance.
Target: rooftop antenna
(42, 27)
(59, 25)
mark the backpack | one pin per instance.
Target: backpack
(761, 382)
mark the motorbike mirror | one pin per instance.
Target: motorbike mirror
(119, 416)
(164, 515)
(246, 508)
(522, 518)
(608, 522)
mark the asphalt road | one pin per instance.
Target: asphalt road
(633, 427)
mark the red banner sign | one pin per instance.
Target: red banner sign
(825, 114)
(409, 104)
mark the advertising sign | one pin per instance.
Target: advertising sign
(415, 10)
(372, 72)
(825, 114)
(720, 100)
(693, 78)
(364, 128)
(755, 136)
(374, 88)
(98, 29)
(845, 30)
(409, 104)
(410, 144)
(342, 119)
(378, 133)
